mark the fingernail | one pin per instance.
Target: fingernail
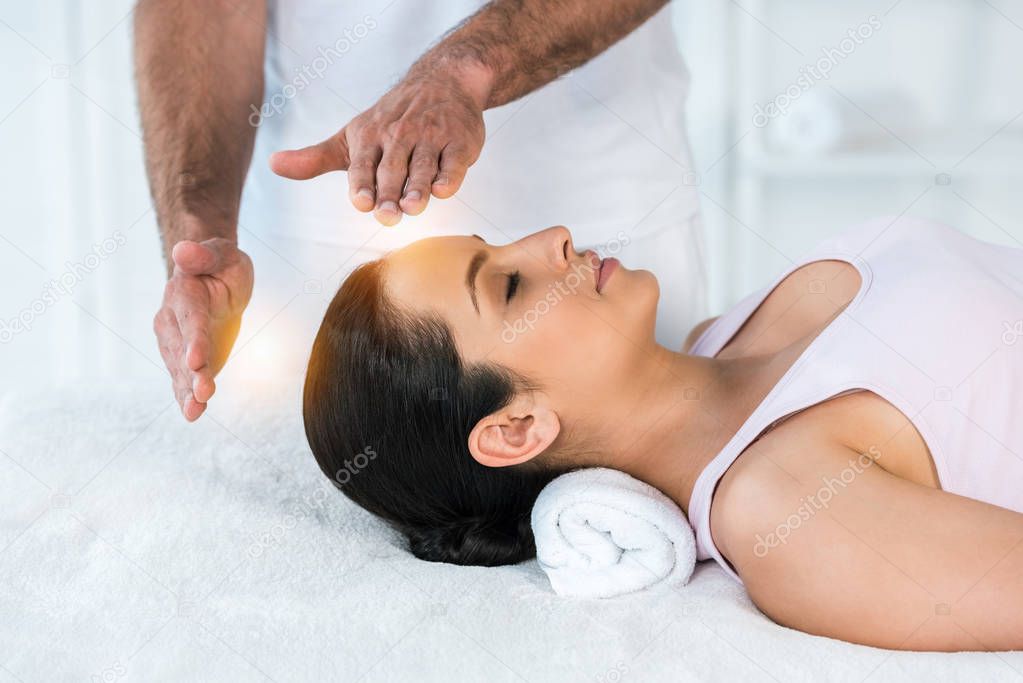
(364, 192)
(414, 196)
(388, 206)
(441, 180)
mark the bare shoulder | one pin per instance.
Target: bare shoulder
(798, 306)
(828, 542)
(695, 333)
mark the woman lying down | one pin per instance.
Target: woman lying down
(848, 442)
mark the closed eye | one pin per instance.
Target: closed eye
(513, 285)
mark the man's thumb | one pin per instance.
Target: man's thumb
(309, 162)
(193, 258)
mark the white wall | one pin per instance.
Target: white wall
(933, 91)
(928, 107)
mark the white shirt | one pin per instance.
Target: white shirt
(597, 150)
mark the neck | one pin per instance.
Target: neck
(674, 417)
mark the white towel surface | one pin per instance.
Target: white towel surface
(136, 547)
(601, 533)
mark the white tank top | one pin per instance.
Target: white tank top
(601, 150)
(936, 330)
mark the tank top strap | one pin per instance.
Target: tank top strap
(781, 401)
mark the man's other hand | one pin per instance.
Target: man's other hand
(198, 322)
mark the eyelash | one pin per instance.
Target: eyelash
(513, 285)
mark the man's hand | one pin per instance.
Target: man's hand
(198, 322)
(423, 135)
(418, 139)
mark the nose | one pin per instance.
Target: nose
(554, 245)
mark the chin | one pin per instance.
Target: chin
(646, 286)
(649, 307)
(642, 292)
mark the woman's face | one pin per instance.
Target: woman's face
(572, 324)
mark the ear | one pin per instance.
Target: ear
(518, 432)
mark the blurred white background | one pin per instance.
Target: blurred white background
(920, 112)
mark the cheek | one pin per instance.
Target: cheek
(579, 342)
(572, 343)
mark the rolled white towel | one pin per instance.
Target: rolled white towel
(601, 533)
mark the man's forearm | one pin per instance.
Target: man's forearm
(511, 47)
(199, 67)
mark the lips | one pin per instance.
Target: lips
(602, 268)
(607, 268)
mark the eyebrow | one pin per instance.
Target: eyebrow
(475, 263)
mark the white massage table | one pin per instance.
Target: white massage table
(135, 546)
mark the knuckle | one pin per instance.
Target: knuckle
(243, 258)
(362, 165)
(394, 165)
(338, 146)
(403, 129)
(459, 154)
(366, 136)
(424, 162)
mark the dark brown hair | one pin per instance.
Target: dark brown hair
(392, 386)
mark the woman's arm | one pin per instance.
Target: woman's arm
(832, 546)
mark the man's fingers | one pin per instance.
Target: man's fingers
(362, 177)
(421, 172)
(192, 409)
(203, 386)
(197, 346)
(454, 161)
(192, 312)
(309, 162)
(190, 345)
(391, 175)
(168, 336)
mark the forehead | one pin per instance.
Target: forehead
(433, 248)
(430, 272)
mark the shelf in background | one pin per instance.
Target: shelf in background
(887, 164)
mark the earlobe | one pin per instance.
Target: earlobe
(510, 437)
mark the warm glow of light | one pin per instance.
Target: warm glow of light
(263, 349)
(268, 358)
